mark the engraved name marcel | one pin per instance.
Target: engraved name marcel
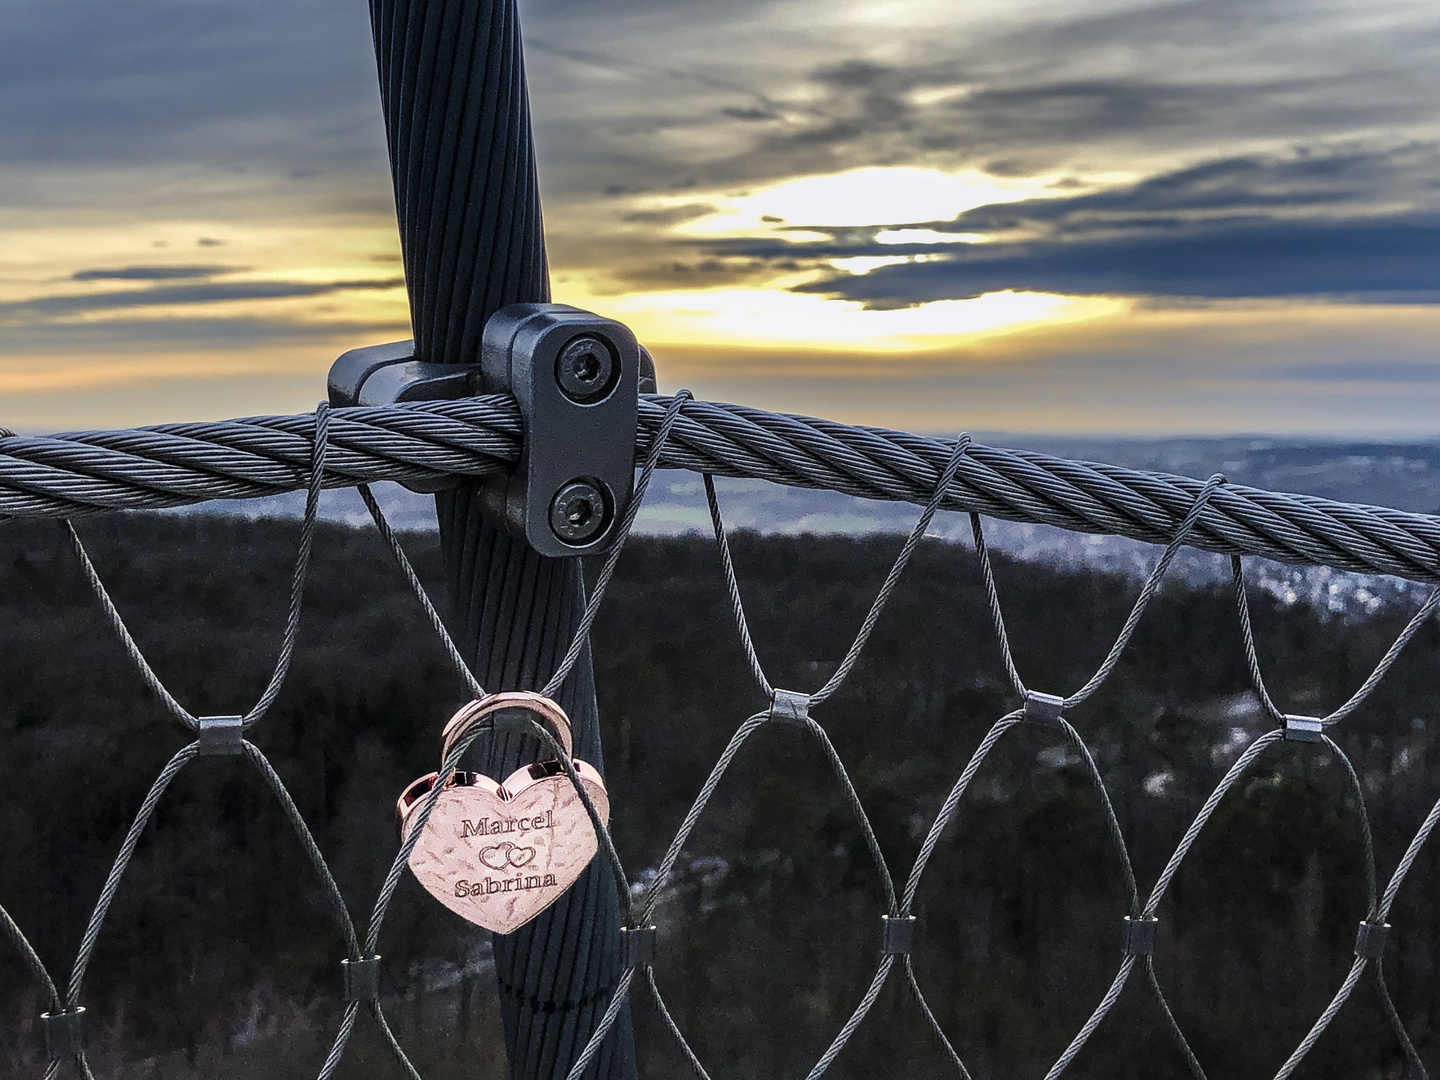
(486, 827)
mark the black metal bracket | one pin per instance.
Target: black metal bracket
(391, 373)
(577, 378)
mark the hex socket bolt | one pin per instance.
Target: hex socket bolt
(585, 370)
(578, 513)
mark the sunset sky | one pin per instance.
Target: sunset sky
(1215, 216)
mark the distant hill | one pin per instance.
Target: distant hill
(1405, 476)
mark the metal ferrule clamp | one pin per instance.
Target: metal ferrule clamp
(361, 978)
(64, 1033)
(1045, 710)
(637, 946)
(897, 934)
(1139, 938)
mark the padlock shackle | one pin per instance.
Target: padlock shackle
(413, 795)
(475, 713)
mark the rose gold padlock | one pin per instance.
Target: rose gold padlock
(498, 854)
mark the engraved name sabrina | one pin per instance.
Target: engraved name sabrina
(489, 887)
(486, 827)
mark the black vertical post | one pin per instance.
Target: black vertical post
(457, 117)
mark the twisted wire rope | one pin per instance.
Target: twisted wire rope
(581, 637)
(183, 463)
(1232, 776)
(1238, 769)
(752, 724)
(1392, 1014)
(31, 959)
(914, 987)
(392, 541)
(71, 474)
(292, 617)
(1392, 888)
(1333, 718)
(1117, 838)
(52, 1069)
(1392, 654)
(690, 1058)
(188, 753)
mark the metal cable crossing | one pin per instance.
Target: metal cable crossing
(67, 475)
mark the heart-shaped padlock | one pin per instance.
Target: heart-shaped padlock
(498, 854)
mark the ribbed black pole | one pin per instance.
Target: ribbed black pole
(452, 81)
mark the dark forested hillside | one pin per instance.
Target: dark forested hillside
(220, 958)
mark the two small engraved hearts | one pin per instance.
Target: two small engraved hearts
(498, 854)
(505, 856)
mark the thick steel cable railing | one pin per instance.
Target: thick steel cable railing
(73, 474)
(63, 476)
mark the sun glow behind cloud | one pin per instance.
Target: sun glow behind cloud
(892, 201)
(776, 317)
(875, 195)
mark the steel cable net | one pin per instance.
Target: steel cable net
(1135, 927)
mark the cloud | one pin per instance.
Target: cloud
(213, 112)
(1192, 111)
(1027, 86)
(1351, 223)
(1365, 372)
(111, 337)
(1390, 260)
(154, 273)
(1312, 181)
(672, 215)
(651, 94)
(654, 95)
(89, 81)
(176, 295)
